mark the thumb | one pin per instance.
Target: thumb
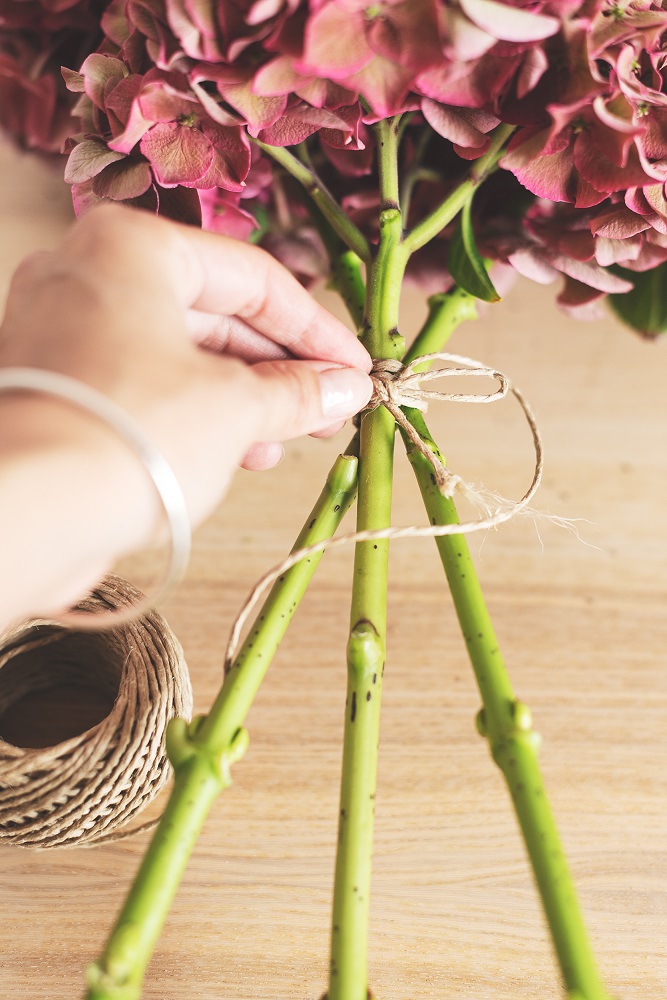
(301, 397)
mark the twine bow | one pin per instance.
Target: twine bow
(397, 385)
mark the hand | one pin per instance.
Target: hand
(123, 305)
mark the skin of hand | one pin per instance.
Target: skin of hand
(208, 343)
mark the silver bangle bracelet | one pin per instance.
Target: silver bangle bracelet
(162, 475)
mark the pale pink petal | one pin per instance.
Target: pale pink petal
(530, 264)
(74, 82)
(335, 44)
(588, 273)
(618, 223)
(534, 66)
(87, 159)
(609, 252)
(463, 126)
(160, 102)
(97, 71)
(510, 24)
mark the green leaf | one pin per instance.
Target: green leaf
(465, 262)
(644, 308)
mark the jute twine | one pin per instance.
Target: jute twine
(80, 791)
(397, 385)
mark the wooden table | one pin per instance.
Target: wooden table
(582, 624)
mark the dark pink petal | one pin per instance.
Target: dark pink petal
(510, 24)
(127, 123)
(300, 252)
(231, 158)
(578, 244)
(350, 163)
(221, 213)
(87, 159)
(178, 203)
(581, 301)
(546, 176)
(347, 136)
(177, 153)
(600, 171)
(97, 71)
(124, 180)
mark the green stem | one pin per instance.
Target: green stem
(446, 311)
(507, 724)
(441, 216)
(202, 754)
(347, 279)
(325, 201)
(368, 619)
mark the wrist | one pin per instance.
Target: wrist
(74, 498)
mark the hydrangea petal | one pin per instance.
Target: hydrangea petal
(87, 159)
(98, 70)
(509, 24)
(177, 153)
(128, 178)
(335, 43)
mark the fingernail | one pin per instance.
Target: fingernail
(345, 391)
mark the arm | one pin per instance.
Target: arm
(123, 305)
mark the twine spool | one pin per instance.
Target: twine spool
(81, 790)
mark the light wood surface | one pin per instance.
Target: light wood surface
(582, 624)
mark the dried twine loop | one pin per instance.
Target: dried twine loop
(396, 385)
(80, 791)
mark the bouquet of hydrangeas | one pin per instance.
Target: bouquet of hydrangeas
(447, 142)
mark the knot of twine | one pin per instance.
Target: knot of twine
(395, 386)
(81, 790)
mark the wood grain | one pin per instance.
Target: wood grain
(583, 627)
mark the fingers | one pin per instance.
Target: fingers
(232, 336)
(263, 455)
(291, 398)
(214, 274)
(226, 276)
